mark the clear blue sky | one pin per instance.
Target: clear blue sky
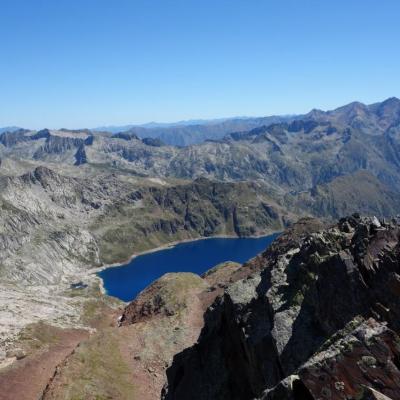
(85, 63)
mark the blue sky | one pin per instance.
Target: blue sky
(85, 63)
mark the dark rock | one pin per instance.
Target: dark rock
(9, 139)
(325, 308)
(80, 156)
(126, 136)
(155, 142)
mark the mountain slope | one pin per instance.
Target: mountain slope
(314, 316)
(318, 317)
(73, 201)
(107, 219)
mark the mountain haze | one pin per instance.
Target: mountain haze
(187, 133)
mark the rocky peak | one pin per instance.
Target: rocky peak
(9, 139)
(389, 105)
(389, 112)
(41, 175)
(315, 114)
(319, 320)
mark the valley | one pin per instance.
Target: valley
(73, 202)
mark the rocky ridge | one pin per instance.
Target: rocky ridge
(299, 154)
(319, 319)
(163, 320)
(314, 316)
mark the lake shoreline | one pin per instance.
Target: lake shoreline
(167, 246)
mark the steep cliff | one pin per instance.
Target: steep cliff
(320, 319)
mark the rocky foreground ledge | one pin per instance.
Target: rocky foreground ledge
(318, 317)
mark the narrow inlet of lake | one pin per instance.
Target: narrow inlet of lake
(198, 256)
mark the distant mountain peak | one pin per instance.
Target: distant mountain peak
(388, 112)
(392, 100)
(392, 103)
(9, 129)
(314, 114)
(353, 107)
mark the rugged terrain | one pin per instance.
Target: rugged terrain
(72, 202)
(57, 229)
(318, 320)
(314, 316)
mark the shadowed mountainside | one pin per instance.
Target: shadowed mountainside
(317, 319)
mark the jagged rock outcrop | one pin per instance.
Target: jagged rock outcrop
(80, 155)
(60, 144)
(153, 142)
(319, 320)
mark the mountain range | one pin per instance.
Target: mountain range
(303, 155)
(185, 133)
(74, 201)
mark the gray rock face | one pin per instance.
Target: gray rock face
(10, 139)
(55, 145)
(319, 321)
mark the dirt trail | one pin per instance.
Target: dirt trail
(27, 378)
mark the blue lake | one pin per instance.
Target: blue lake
(126, 281)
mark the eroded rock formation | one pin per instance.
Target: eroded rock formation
(319, 319)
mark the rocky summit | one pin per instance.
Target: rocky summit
(317, 317)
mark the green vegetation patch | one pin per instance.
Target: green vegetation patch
(175, 290)
(97, 371)
(37, 336)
